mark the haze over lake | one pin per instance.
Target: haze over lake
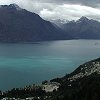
(25, 64)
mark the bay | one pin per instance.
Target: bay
(25, 64)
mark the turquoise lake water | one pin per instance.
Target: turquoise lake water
(25, 64)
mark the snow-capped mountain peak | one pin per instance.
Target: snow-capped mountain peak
(83, 19)
(15, 6)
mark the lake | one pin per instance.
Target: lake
(25, 64)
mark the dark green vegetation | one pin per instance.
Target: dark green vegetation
(86, 87)
(74, 86)
(28, 91)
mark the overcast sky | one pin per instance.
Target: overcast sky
(60, 9)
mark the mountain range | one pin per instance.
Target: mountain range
(58, 22)
(20, 25)
(83, 28)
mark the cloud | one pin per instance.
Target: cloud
(92, 3)
(70, 12)
(47, 13)
(60, 9)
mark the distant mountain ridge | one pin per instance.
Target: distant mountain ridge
(20, 25)
(83, 28)
(59, 22)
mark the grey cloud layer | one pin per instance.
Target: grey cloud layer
(93, 3)
(63, 9)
